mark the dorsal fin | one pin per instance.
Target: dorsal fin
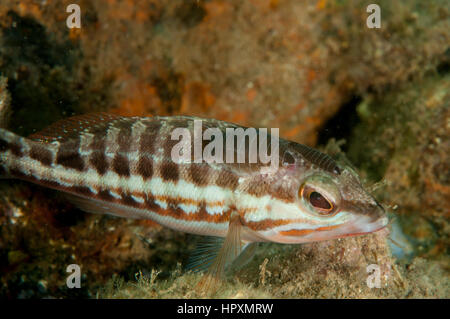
(320, 159)
(71, 127)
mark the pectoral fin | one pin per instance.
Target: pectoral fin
(231, 248)
(204, 254)
(248, 251)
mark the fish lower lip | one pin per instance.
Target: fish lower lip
(365, 233)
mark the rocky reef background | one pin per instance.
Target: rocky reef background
(311, 68)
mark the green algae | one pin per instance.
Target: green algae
(336, 269)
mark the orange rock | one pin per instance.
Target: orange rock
(197, 98)
(251, 94)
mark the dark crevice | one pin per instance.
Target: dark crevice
(444, 67)
(191, 13)
(341, 125)
(39, 70)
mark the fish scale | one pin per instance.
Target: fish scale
(123, 166)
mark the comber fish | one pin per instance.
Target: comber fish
(123, 166)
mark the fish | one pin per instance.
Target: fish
(124, 166)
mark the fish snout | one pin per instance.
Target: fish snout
(375, 218)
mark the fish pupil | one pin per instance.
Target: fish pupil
(318, 201)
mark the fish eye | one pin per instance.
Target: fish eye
(319, 202)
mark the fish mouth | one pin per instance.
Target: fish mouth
(361, 227)
(367, 219)
(362, 224)
(350, 230)
(358, 222)
(374, 220)
(382, 224)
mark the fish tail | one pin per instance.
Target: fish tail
(13, 150)
(10, 146)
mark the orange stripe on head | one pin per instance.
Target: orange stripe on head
(328, 227)
(296, 232)
(303, 232)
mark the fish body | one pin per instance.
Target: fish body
(124, 166)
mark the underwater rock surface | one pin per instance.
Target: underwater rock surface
(312, 69)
